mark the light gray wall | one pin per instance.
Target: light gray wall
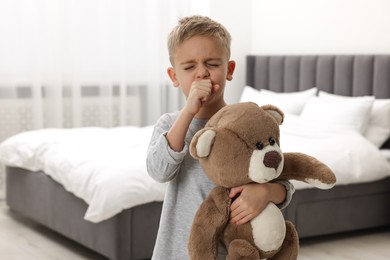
(236, 17)
(302, 27)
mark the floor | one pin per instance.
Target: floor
(21, 238)
(363, 245)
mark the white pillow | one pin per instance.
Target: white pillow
(289, 103)
(250, 94)
(378, 130)
(351, 113)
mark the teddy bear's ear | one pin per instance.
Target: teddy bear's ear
(274, 112)
(202, 142)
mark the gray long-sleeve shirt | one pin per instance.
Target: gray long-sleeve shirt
(188, 187)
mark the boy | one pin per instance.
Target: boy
(199, 51)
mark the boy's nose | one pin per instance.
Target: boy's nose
(202, 73)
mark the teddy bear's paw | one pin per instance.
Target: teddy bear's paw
(240, 249)
(319, 184)
(290, 247)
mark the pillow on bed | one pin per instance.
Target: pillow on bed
(250, 94)
(378, 125)
(289, 103)
(378, 130)
(351, 113)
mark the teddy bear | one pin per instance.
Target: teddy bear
(240, 144)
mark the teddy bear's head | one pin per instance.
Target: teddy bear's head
(240, 144)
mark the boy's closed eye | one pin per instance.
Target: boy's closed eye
(213, 65)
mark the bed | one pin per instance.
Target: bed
(111, 220)
(348, 207)
(129, 230)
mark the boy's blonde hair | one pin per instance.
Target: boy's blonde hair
(197, 25)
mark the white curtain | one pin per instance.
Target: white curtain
(73, 63)
(60, 55)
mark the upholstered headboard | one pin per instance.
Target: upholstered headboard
(348, 75)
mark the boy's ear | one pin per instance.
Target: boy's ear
(172, 76)
(231, 67)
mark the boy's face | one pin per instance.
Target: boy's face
(199, 58)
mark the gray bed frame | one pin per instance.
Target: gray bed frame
(128, 235)
(131, 234)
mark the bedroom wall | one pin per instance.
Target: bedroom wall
(237, 18)
(303, 27)
(321, 26)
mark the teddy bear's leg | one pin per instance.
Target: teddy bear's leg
(290, 246)
(240, 249)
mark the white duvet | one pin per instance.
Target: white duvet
(106, 167)
(350, 155)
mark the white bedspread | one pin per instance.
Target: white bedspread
(106, 167)
(350, 155)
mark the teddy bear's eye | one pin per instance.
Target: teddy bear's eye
(259, 145)
(271, 141)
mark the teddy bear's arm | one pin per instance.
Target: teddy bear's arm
(302, 167)
(208, 225)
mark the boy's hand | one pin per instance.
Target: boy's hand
(200, 93)
(253, 199)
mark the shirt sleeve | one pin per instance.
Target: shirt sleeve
(290, 191)
(162, 162)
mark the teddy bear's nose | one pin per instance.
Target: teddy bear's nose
(272, 159)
